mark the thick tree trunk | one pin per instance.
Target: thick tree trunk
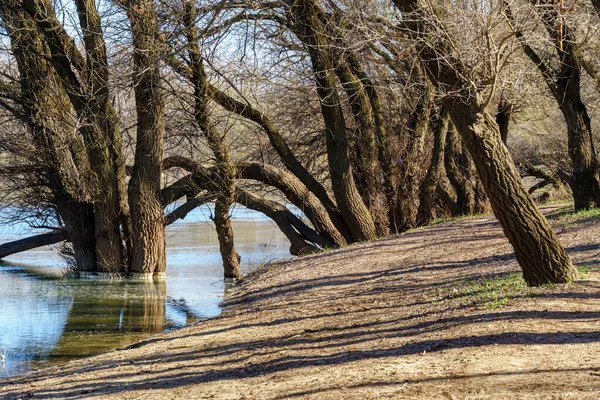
(366, 166)
(309, 29)
(49, 115)
(71, 68)
(79, 225)
(537, 249)
(296, 193)
(148, 235)
(539, 253)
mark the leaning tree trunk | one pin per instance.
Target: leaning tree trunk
(216, 143)
(539, 253)
(310, 31)
(148, 239)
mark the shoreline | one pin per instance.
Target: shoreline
(436, 312)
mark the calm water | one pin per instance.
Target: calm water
(46, 319)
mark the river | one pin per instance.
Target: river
(46, 319)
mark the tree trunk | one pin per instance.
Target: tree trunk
(503, 119)
(366, 167)
(286, 221)
(147, 217)
(311, 32)
(428, 188)
(539, 253)
(49, 117)
(413, 164)
(585, 183)
(564, 83)
(216, 143)
(453, 158)
(32, 242)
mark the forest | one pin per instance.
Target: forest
(371, 117)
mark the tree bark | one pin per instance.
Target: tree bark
(148, 236)
(308, 27)
(32, 242)
(539, 253)
(565, 85)
(216, 143)
(412, 166)
(428, 188)
(70, 66)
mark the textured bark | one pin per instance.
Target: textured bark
(412, 167)
(430, 183)
(216, 143)
(79, 225)
(367, 172)
(32, 242)
(48, 114)
(299, 195)
(308, 28)
(457, 165)
(207, 179)
(71, 68)
(539, 253)
(98, 85)
(148, 235)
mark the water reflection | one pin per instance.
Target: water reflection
(46, 319)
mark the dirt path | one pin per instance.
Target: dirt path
(432, 314)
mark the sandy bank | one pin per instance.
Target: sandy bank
(433, 313)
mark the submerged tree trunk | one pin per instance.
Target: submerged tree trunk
(71, 69)
(216, 143)
(48, 114)
(148, 236)
(539, 253)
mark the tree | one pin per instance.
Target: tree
(539, 253)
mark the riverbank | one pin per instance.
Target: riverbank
(438, 312)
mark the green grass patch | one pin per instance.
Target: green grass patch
(493, 293)
(565, 217)
(584, 271)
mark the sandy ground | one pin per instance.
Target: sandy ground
(430, 314)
